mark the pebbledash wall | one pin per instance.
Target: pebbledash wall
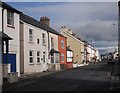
(13, 32)
(35, 46)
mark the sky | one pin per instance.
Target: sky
(95, 22)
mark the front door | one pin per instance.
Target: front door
(44, 62)
(12, 61)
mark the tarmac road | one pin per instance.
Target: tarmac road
(94, 77)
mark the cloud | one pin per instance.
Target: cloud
(99, 30)
(87, 19)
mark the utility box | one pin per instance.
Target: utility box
(12, 77)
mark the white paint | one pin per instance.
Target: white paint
(55, 40)
(69, 54)
(97, 54)
(115, 55)
(13, 33)
(37, 34)
(89, 49)
(82, 51)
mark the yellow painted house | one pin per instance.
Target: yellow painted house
(74, 43)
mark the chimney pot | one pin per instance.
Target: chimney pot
(45, 20)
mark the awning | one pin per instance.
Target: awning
(4, 36)
(54, 51)
(68, 49)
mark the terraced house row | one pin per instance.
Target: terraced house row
(31, 45)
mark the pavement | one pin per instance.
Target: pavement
(26, 79)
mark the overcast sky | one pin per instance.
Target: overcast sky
(96, 21)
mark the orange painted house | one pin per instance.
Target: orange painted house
(62, 49)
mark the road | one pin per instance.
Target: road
(94, 77)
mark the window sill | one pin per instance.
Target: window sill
(31, 64)
(38, 63)
(31, 42)
(11, 26)
(44, 44)
(62, 48)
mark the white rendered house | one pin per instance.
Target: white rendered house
(10, 18)
(34, 46)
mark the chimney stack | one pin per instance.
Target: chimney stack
(45, 20)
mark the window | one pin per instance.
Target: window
(10, 18)
(38, 41)
(31, 56)
(62, 44)
(43, 57)
(38, 56)
(30, 35)
(62, 57)
(52, 43)
(43, 39)
(52, 58)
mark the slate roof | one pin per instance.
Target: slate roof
(6, 6)
(34, 22)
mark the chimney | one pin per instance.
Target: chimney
(73, 34)
(45, 20)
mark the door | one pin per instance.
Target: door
(12, 61)
(44, 62)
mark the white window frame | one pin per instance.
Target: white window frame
(43, 39)
(38, 57)
(10, 18)
(38, 41)
(62, 58)
(52, 42)
(62, 44)
(30, 35)
(44, 55)
(31, 56)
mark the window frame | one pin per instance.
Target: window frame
(10, 18)
(62, 57)
(38, 41)
(44, 56)
(62, 44)
(31, 56)
(31, 35)
(43, 39)
(38, 56)
(52, 42)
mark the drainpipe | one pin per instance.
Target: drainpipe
(48, 50)
(2, 33)
(48, 42)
